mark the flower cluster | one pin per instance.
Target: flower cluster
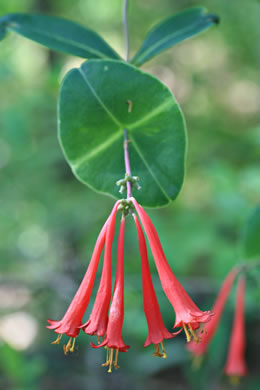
(107, 316)
(235, 366)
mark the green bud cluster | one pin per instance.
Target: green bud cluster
(128, 178)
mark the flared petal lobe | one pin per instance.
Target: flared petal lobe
(186, 312)
(157, 331)
(236, 364)
(72, 320)
(210, 327)
(97, 323)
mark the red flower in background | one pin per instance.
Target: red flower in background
(156, 328)
(209, 330)
(113, 340)
(72, 320)
(187, 314)
(236, 365)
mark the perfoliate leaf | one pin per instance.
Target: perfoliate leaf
(58, 34)
(175, 29)
(252, 235)
(94, 110)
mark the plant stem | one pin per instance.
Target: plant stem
(127, 164)
(125, 24)
(126, 140)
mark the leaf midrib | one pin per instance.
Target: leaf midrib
(116, 136)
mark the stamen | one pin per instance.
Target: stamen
(98, 340)
(73, 345)
(163, 350)
(188, 337)
(157, 352)
(235, 380)
(57, 341)
(196, 338)
(111, 353)
(107, 358)
(67, 347)
(196, 362)
(116, 360)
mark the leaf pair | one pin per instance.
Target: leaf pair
(72, 38)
(93, 111)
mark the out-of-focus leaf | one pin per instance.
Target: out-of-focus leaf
(252, 235)
(173, 30)
(93, 113)
(58, 34)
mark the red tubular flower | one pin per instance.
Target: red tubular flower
(187, 314)
(157, 331)
(209, 330)
(97, 323)
(72, 320)
(236, 366)
(113, 340)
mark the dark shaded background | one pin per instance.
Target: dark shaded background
(49, 221)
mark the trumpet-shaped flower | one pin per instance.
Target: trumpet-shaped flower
(209, 330)
(113, 340)
(157, 331)
(187, 314)
(97, 323)
(236, 365)
(72, 320)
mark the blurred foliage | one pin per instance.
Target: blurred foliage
(49, 221)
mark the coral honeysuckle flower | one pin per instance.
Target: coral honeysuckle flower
(209, 330)
(72, 320)
(157, 331)
(236, 365)
(97, 323)
(187, 314)
(113, 340)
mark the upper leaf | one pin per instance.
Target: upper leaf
(174, 29)
(58, 34)
(93, 113)
(252, 235)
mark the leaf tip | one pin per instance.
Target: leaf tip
(214, 18)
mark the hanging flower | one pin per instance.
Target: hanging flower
(236, 365)
(187, 314)
(157, 331)
(72, 320)
(97, 323)
(209, 330)
(113, 341)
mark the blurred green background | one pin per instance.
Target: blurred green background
(49, 221)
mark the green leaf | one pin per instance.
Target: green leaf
(93, 112)
(58, 34)
(252, 235)
(174, 30)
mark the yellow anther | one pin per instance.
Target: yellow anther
(157, 352)
(57, 341)
(235, 380)
(66, 348)
(163, 350)
(72, 349)
(116, 360)
(195, 337)
(188, 337)
(196, 362)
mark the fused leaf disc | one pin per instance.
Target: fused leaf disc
(94, 108)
